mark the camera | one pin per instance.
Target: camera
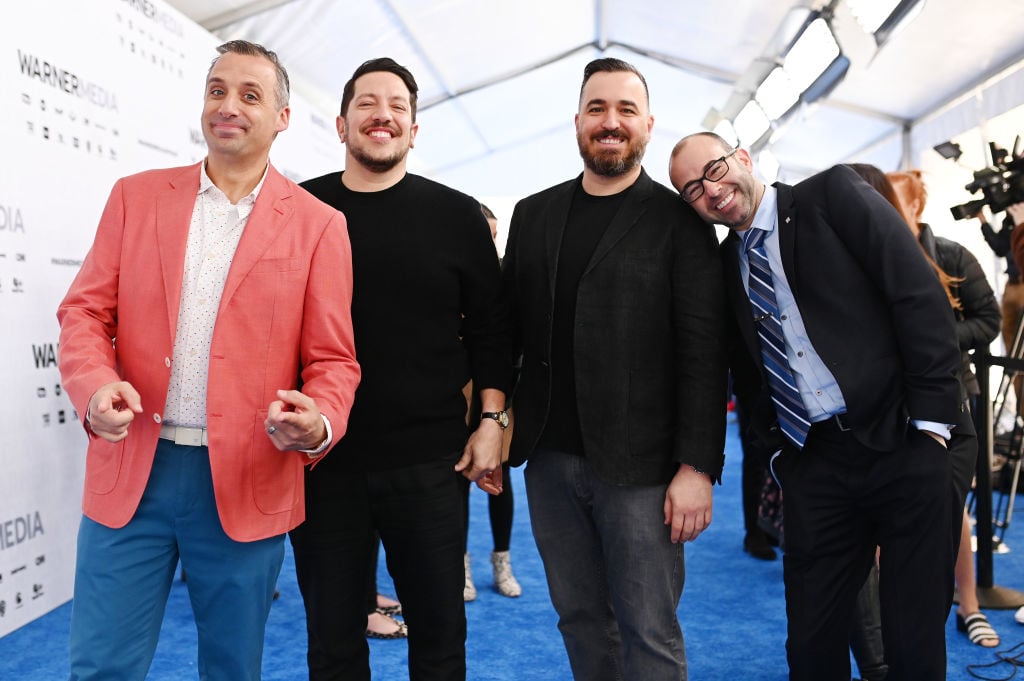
(1001, 185)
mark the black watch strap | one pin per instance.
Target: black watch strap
(500, 416)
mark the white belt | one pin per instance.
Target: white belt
(193, 437)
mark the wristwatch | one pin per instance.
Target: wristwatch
(500, 416)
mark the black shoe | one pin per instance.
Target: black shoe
(761, 550)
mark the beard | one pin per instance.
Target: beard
(610, 162)
(746, 199)
(377, 165)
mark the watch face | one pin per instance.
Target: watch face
(500, 416)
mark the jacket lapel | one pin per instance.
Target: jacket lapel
(554, 227)
(737, 292)
(787, 235)
(269, 217)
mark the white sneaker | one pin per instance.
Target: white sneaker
(1019, 615)
(468, 591)
(503, 579)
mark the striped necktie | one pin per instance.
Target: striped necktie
(788, 404)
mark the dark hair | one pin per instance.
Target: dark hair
(612, 65)
(387, 65)
(248, 49)
(488, 213)
(877, 179)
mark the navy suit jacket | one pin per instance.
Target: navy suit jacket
(873, 308)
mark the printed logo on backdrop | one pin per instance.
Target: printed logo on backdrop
(63, 107)
(21, 581)
(12, 222)
(11, 219)
(18, 530)
(55, 408)
(155, 38)
(152, 35)
(161, 18)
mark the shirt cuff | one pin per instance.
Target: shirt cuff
(313, 453)
(945, 431)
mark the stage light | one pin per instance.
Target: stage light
(949, 150)
(809, 67)
(725, 130)
(768, 166)
(811, 54)
(776, 94)
(871, 14)
(751, 123)
(883, 18)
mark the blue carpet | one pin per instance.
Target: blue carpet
(732, 611)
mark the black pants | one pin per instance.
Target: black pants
(841, 500)
(500, 508)
(418, 512)
(752, 476)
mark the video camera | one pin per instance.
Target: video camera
(1002, 184)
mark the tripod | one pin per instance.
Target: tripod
(1009, 446)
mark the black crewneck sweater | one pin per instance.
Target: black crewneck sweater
(426, 319)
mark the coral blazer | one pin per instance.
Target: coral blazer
(284, 318)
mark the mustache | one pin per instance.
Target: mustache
(605, 134)
(385, 126)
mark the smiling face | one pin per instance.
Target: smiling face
(377, 128)
(733, 199)
(613, 125)
(241, 116)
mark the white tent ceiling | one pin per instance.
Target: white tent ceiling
(499, 79)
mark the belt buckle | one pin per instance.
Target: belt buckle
(191, 437)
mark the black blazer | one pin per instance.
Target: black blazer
(873, 308)
(650, 366)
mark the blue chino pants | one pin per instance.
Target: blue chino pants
(123, 577)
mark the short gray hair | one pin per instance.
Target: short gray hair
(248, 49)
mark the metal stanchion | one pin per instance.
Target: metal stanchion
(989, 595)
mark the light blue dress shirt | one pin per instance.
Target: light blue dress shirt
(819, 390)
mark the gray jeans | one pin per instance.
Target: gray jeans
(615, 578)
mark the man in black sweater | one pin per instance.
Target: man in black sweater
(427, 320)
(618, 307)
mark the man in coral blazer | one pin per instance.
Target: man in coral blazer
(211, 295)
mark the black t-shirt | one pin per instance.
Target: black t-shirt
(588, 220)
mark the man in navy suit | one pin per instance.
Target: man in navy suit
(618, 308)
(871, 347)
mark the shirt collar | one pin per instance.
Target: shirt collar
(206, 184)
(767, 215)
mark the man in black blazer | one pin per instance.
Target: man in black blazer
(870, 340)
(620, 408)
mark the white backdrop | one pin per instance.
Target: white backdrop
(90, 91)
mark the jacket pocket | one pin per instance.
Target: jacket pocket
(275, 474)
(103, 466)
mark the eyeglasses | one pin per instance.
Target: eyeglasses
(716, 171)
